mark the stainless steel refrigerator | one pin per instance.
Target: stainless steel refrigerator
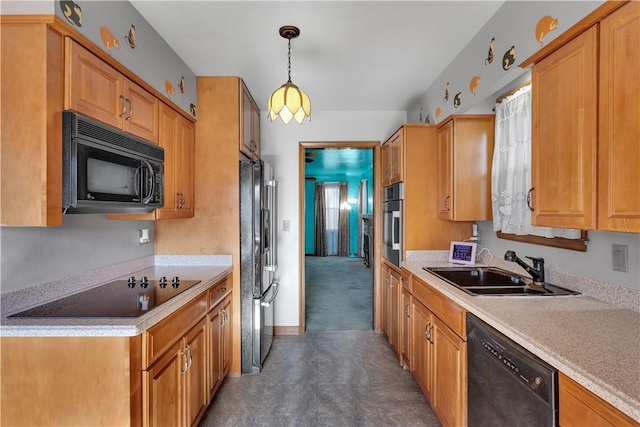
(258, 261)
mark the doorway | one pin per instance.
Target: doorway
(338, 285)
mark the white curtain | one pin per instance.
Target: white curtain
(332, 209)
(511, 173)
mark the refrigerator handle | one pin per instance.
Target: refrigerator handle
(275, 294)
(273, 244)
(395, 243)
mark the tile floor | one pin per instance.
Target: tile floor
(329, 378)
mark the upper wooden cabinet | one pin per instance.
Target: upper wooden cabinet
(250, 128)
(465, 152)
(619, 131)
(99, 91)
(177, 137)
(392, 159)
(32, 80)
(585, 94)
(414, 146)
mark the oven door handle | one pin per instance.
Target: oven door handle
(395, 240)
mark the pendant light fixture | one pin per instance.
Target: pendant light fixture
(288, 101)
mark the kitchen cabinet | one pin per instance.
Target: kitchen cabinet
(393, 279)
(580, 407)
(406, 340)
(250, 128)
(219, 317)
(392, 159)
(100, 91)
(416, 148)
(177, 137)
(618, 133)
(439, 352)
(159, 377)
(175, 385)
(465, 152)
(585, 157)
(32, 80)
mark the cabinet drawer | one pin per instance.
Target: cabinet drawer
(218, 291)
(161, 336)
(448, 311)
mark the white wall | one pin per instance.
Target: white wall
(279, 147)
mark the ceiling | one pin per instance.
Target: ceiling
(350, 56)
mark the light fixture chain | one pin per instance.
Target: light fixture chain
(289, 59)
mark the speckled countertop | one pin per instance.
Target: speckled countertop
(207, 269)
(593, 342)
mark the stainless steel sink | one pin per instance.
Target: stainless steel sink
(492, 281)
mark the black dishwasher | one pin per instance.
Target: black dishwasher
(507, 384)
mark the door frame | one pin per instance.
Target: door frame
(375, 256)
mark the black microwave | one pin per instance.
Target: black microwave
(108, 171)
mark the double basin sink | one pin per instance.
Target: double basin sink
(492, 281)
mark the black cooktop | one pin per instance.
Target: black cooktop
(121, 298)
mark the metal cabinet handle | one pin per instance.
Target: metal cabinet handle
(186, 362)
(128, 101)
(446, 202)
(406, 310)
(529, 193)
(427, 332)
(124, 106)
(190, 357)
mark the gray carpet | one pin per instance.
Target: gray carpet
(324, 379)
(338, 294)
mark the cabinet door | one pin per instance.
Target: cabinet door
(564, 124)
(95, 88)
(186, 167)
(163, 386)
(449, 382)
(395, 290)
(445, 171)
(405, 326)
(196, 396)
(226, 336)
(619, 156)
(397, 158)
(141, 118)
(215, 349)
(421, 358)
(580, 407)
(248, 143)
(168, 139)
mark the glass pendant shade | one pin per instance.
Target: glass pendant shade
(288, 102)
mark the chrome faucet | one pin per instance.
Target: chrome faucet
(537, 271)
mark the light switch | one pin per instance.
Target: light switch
(286, 225)
(619, 256)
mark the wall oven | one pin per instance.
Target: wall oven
(392, 222)
(106, 170)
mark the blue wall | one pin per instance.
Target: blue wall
(352, 176)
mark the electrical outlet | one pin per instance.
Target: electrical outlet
(286, 225)
(619, 257)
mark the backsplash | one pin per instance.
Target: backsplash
(34, 255)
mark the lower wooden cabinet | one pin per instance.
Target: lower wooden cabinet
(220, 343)
(439, 356)
(176, 385)
(405, 328)
(161, 377)
(393, 279)
(580, 407)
